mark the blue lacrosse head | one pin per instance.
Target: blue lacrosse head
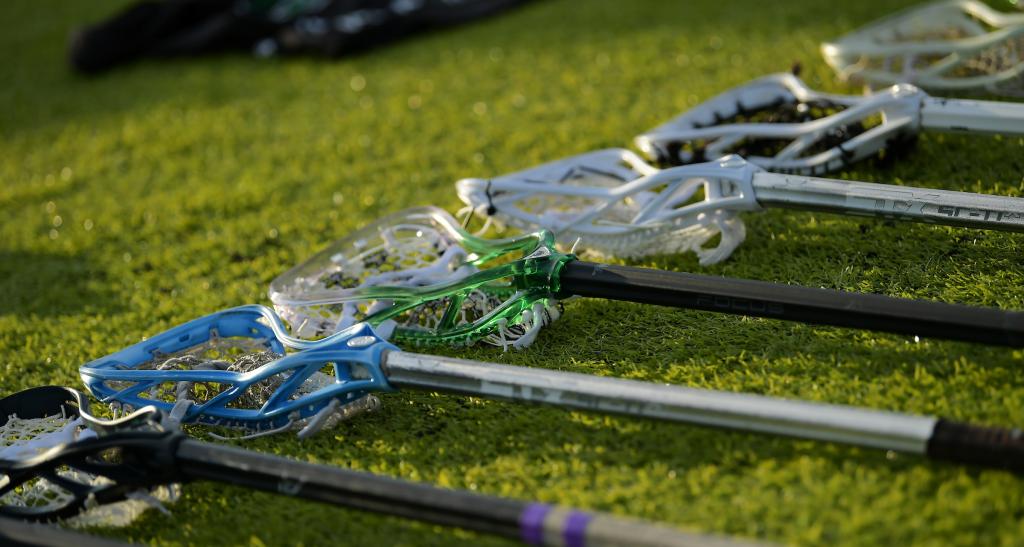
(344, 367)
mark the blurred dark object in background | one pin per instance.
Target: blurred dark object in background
(171, 28)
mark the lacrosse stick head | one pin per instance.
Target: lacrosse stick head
(615, 204)
(231, 369)
(946, 45)
(780, 124)
(426, 281)
(55, 465)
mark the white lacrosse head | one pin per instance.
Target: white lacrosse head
(951, 44)
(615, 204)
(780, 124)
(21, 439)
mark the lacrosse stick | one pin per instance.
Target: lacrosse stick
(29, 434)
(403, 273)
(140, 451)
(780, 124)
(614, 203)
(359, 354)
(15, 533)
(947, 45)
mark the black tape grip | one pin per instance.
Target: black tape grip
(977, 445)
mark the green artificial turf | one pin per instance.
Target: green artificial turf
(167, 190)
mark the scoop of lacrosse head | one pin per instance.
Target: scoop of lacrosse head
(231, 369)
(780, 124)
(614, 203)
(947, 45)
(58, 461)
(423, 280)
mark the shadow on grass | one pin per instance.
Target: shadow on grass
(823, 243)
(224, 78)
(51, 284)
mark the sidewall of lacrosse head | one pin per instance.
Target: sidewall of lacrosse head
(420, 278)
(705, 131)
(62, 408)
(43, 401)
(613, 203)
(951, 36)
(608, 168)
(301, 387)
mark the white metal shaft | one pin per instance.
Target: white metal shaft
(965, 116)
(888, 201)
(824, 422)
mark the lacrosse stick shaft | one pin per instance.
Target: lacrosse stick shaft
(929, 436)
(888, 201)
(16, 533)
(966, 116)
(793, 303)
(533, 523)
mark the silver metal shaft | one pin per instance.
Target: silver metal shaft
(888, 201)
(807, 420)
(967, 116)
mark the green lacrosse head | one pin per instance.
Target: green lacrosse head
(421, 279)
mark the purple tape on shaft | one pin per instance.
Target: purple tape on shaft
(531, 523)
(575, 529)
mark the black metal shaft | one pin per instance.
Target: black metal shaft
(151, 455)
(532, 523)
(17, 533)
(794, 303)
(334, 485)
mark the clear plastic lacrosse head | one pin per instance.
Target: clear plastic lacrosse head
(39, 421)
(946, 45)
(613, 203)
(778, 123)
(422, 279)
